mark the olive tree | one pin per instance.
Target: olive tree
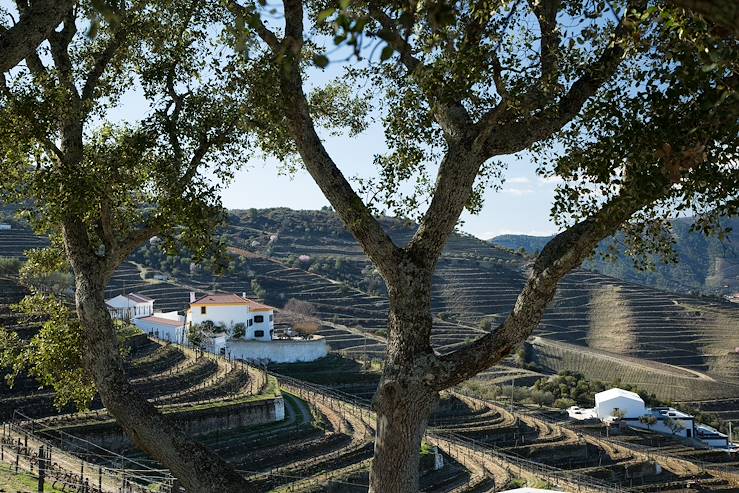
(101, 188)
(632, 105)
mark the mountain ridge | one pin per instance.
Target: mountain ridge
(706, 265)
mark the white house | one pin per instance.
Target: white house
(614, 400)
(130, 306)
(664, 420)
(169, 326)
(711, 436)
(228, 310)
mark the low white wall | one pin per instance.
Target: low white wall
(279, 409)
(279, 351)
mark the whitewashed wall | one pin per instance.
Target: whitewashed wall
(279, 351)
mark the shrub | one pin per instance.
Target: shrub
(239, 330)
(564, 403)
(542, 398)
(9, 266)
(304, 317)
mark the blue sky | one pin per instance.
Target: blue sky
(521, 206)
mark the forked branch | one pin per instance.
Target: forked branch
(563, 253)
(36, 22)
(355, 214)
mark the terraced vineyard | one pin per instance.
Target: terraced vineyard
(675, 346)
(475, 281)
(531, 444)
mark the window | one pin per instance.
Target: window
(202, 310)
(270, 318)
(258, 319)
(251, 322)
(258, 333)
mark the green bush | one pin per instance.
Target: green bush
(564, 403)
(10, 266)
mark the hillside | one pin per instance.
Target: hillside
(529, 244)
(281, 254)
(706, 264)
(677, 347)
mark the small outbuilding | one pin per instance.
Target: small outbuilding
(169, 326)
(615, 400)
(130, 306)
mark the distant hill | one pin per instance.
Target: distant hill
(706, 265)
(530, 244)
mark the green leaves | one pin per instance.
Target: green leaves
(54, 355)
(386, 53)
(325, 14)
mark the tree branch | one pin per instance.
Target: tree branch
(355, 214)
(60, 41)
(35, 24)
(563, 253)
(451, 115)
(102, 60)
(106, 226)
(546, 13)
(502, 131)
(723, 13)
(171, 121)
(511, 133)
(252, 18)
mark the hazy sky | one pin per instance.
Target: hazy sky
(522, 206)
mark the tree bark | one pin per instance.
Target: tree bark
(199, 469)
(32, 29)
(404, 400)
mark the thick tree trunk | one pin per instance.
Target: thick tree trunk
(404, 401)
(34, 27)
(402, 416)
(196, 467)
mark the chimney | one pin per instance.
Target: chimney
(243, 294)
(192, 297)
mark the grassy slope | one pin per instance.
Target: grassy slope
(22, 482)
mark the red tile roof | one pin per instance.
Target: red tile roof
(229, 299)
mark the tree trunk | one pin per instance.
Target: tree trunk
(404, 401)
(195, 466)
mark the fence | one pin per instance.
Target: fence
(467, 449)
(81, 473)
(28, 452)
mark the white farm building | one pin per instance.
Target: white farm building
(226, 311)
(169, 326)
(240, 328)
(615, 400)
(633, 413)
(130, 306)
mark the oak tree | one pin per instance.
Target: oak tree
(631, 104)
(101, 186)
